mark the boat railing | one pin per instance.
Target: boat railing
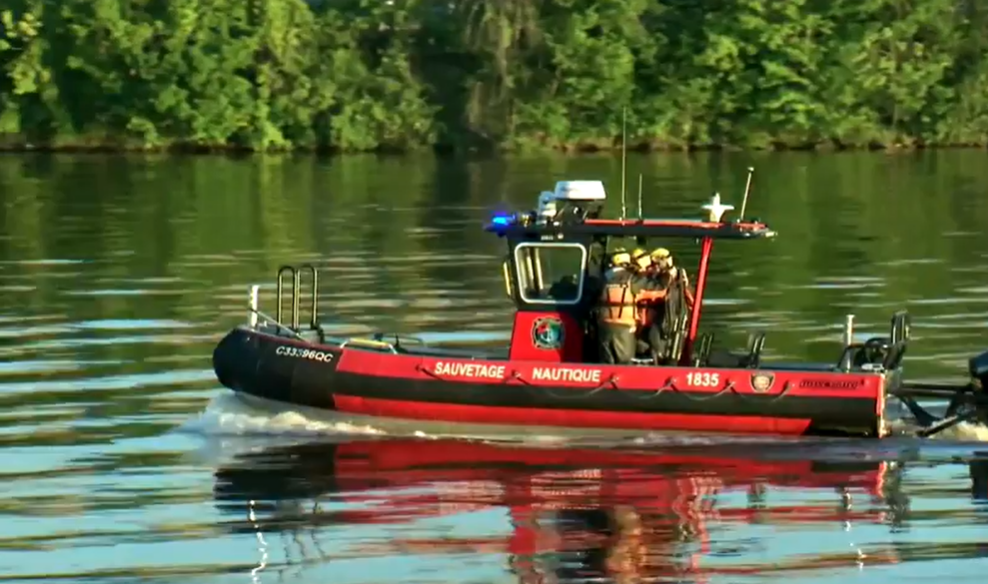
(701, 352)
(296, 298)
(877, 353)
(293, 276)
(292, 328)
(255, 314)
(369, 344)
(679, 333)
(377, 341)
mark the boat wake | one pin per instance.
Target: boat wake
(230, 414)
(237, 415)
(969, 431)
(962, 432)
(240, 415)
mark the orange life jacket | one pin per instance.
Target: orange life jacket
(646, 314)
(618, 302)
(649, 304)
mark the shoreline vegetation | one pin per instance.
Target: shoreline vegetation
(475, 75)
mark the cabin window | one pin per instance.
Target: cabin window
(551, 273)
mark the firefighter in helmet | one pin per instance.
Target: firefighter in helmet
(618, 323)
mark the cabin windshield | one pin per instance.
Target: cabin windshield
(551, 273)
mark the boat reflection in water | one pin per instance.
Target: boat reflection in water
(575, 513)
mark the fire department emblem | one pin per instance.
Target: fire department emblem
(762, 382)
(547, 333)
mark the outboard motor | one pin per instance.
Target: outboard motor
(979, 479)
(978, 368)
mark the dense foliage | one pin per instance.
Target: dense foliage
(400, 74)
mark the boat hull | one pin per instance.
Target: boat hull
(424, 385)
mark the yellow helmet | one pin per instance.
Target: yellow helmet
(620, 257)
(660, 253)
(641, 258)
(661, 257)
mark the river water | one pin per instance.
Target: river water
(124, 460)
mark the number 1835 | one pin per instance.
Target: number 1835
(702, 379)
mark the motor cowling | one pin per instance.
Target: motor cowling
(978, 368)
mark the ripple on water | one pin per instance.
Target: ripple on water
(48, 366)
(700, 509)
(129, 324)
(98, 292)
(112, 382)
(44, 262)
(115, 341)
(124, 460)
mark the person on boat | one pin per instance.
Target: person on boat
(619, 261)
(616, 324)
(666, 272)
(676, 301)
(624, 288)
(662, 262)
(662, 271)
(647, 305)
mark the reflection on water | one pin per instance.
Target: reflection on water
(123, 458)
(580, 514)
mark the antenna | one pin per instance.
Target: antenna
(747, 189)
(624, 156)
(639, 196)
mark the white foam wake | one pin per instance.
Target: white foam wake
(964, 432)
(231, 414)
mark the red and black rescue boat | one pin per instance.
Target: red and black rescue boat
(549, 375)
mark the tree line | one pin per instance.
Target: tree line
(362, 75)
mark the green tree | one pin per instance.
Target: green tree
(359, 75)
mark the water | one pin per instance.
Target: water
(123, 460)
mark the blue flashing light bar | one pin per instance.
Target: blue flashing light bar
(503, 220)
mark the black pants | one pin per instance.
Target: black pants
(657, 342)
(617, 343)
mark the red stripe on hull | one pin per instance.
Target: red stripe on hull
(568, 418)
(699, 381)
(708, 380)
